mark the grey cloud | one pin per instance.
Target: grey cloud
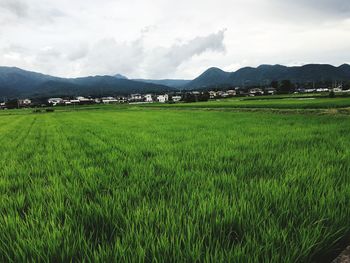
(168, 60)
(16, 7)
(108, 56)
(338, 8)
(38, 14)
(78, 52)
(48, 55)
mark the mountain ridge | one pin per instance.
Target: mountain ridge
(16, 82)
(267, 73)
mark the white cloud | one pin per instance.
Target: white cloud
(164, 38)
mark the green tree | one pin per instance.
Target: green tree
(285, 87)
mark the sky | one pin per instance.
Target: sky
(170, 38)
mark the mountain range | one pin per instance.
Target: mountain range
(16, 82)
(264, 74)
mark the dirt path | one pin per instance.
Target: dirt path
(344, 257)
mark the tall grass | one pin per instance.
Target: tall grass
(172, 186)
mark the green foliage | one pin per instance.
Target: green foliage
(152, 185)
(332, 94)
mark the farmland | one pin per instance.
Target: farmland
(275, 102)
(134, 184)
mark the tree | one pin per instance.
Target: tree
(274, 84)
(285, 87)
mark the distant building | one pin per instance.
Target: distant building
(176, 98)
(109, 100)
(24, 102)
(231, 93)
(74, 101)
(163, 98)
(135, 97)
(148, 98)
(322, 90)
(270, 91)
(255, 92)
(212, 94)
(309, 90)
(55, 101)
(84, 100)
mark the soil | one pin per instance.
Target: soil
(344, 257)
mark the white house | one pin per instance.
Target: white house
(163, 98)
(212, 94)
(255, 91)
(176, 98)
(270, 91)
(322, 90)
(148, 98)
(135, 97)
(55, 101)
(84, 100)
(108, 100)
(25, 102)
(231, 92)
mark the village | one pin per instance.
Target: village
(173, 97)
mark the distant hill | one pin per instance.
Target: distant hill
(174, 83)
(15, 82)
(266, 73)
(211, 77)
(119, 76)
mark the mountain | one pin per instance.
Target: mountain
(15, 82)
(211, 77)
(119, 76)
(174, 83)
(264, 74)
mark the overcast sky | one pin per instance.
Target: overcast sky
(170, 38)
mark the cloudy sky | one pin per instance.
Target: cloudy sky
(170, 38)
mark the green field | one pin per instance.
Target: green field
(273, 102)
(131, 184)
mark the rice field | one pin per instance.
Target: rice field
(147, 185)
(274, 102)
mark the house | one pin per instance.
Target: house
(84, 100)
(176, 98)
(55, 101)
(24, 103)
(122, 99)
(135, 97)
(255, 92)
(212, 94)
(270, 91)
(310, 90)
(163, 98)
(148, 98)
(322, 90)
(74, 101)
(109, 100)
(231, 93)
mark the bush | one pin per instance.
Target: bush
(49, 110)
